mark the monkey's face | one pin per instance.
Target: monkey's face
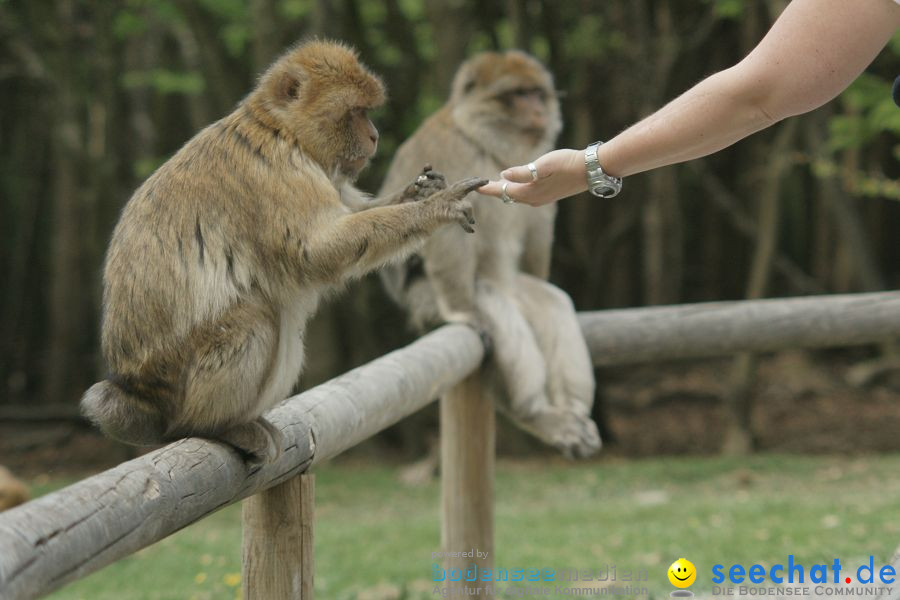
(360, 141)
(321, 94)
(526, 107)
(509, 94)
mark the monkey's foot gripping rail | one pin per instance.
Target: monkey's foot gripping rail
(75, 531)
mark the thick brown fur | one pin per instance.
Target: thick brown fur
(503, 111)
(221, 256)
(12, 491)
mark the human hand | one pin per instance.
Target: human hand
(560, 173)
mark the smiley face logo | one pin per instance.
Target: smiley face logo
(682, 573)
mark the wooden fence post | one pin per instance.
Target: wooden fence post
(278, 541)
(467, 475)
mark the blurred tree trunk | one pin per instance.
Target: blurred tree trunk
(662, 254)
(266, 38)
(739, 395)
(24, 85)
(225, 83)
(325, 21)
(662, 229)
(451, 28)
(844, 212)
(405, 74)
(853, 235)
(720, 196)
(355, 29)
(66, 285)
(521, 24)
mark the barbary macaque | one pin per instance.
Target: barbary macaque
(221, 256)
(12, 491)
(503, 111)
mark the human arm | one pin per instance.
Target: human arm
(815, 49)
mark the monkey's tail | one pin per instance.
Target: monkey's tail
(123, 416)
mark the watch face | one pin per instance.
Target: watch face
(603, 190)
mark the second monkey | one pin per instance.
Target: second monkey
(503, 111)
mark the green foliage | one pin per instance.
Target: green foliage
(870, 112)
(165, 81)
(235, 16)
(236, 37)
(144, 167)
(728, 9)
(592, 37)
(128, 23)
(134, 17)
(295, 9)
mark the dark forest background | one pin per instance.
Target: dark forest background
(95, 94)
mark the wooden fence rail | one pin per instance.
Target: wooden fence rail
(637, 335)
(75, 531)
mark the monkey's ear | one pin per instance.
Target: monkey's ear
(286, 87)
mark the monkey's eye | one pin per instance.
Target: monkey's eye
(522, 93)
(539, 92)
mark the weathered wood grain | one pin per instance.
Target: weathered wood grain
(75, 531)
(277, 544)
(467, 482)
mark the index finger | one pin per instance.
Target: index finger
(520, 174)
(491, 188)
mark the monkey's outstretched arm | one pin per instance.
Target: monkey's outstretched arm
(360, 242)
(426, 184)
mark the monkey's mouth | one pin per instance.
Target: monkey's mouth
(534, 131)
(353, 165)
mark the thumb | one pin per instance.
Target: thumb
(517, 174)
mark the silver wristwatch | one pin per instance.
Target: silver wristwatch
(599, 183)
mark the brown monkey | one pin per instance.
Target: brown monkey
(503, 111)
(12, 491)
(221, 256)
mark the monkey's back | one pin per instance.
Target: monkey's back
(192, 242)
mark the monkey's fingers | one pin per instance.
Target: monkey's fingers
(492, 188)
(466, 226)
(435, 176)
(466, 218)
(410, 190)
(466, 186)
(427, 184)
(469, 214)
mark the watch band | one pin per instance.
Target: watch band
(599, 183)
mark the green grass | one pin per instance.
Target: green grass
(374, 537)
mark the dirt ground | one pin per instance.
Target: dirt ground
(801, 402)
(837, 402)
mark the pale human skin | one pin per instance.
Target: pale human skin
(813, 52)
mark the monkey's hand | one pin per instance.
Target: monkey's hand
(426, 184)
(450, 204)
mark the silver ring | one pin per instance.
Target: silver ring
(504, 195)
(533, 168)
